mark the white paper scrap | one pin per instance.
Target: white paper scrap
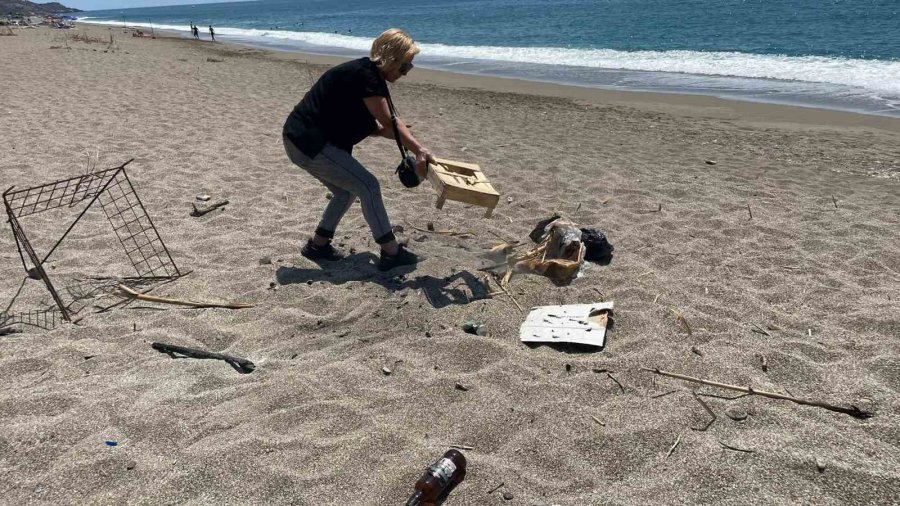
(573, 323)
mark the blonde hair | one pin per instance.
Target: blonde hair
(393, 48)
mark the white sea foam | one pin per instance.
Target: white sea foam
(878, 76)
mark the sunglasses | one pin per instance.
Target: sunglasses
(405, 68)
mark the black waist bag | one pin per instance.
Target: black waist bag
(406, 171)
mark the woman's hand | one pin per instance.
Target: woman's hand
(422, 160)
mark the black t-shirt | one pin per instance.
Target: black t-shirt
(333, 111)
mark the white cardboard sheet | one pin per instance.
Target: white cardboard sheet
(565, 324)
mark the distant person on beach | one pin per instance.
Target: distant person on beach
(196, 32)
(347, 104)
(212, 33)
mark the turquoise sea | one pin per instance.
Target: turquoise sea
(835, 54)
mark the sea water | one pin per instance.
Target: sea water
(834, 54)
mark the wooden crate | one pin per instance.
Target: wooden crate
(462, 182)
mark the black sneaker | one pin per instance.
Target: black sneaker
(403, 257)
(326, 252)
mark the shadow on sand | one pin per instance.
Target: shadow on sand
(440, 292)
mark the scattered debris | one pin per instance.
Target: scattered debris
(706, 407)
(852, 410)
(574, 323)
(124, 291)
(759, 330)
(200, 211)
(735, 448)
(474, 328)
(242, 365)
(498, 487)
(610, 376)
(677, 441)
(681, 321)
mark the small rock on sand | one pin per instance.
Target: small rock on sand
(735, 413)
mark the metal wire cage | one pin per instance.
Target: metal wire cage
(125, 212)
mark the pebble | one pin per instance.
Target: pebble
(427, 334)
(203, 197)
(329, 196)
(568, 367)
(820, 465)
(386, 371)
(130, 465)
(508, 496)
(710, 162)
(461, 387)
(430, 226)
(272, 285)
(735, 413)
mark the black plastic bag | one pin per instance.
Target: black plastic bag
(597, 247)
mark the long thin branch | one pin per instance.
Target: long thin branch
(241, 364)
(852, 411)
(131, 294)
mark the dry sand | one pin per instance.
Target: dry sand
(817, 267)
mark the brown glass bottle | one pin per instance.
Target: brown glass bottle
(439, 480)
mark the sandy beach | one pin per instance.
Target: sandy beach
(745, 234)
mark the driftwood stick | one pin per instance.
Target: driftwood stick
(212, 207)
(672, 449)
(834, 200)
(131, 294)
(749, 211)
(491, 491)
(610, 376)
(242, 365)
(706, 407)
(760, 330)
(852, 410)
(735, 448)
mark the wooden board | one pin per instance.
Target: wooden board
(462, 182)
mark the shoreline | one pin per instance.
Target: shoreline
(685, 104)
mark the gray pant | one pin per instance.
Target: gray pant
(347, 179)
